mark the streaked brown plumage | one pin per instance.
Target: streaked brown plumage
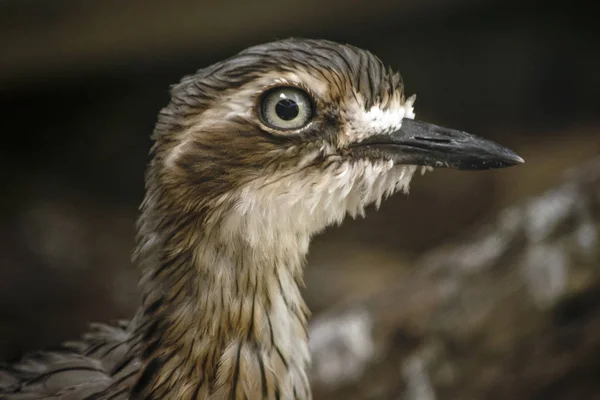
(234, 191)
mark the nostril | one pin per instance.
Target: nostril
(432, 139)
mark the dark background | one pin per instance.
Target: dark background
(81, 83)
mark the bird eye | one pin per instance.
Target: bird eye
(286, 108)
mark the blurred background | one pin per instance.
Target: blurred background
(81, 83)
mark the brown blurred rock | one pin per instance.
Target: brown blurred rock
(513, 313)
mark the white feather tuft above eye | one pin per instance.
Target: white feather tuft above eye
(376, 120)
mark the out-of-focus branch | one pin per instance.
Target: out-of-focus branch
(511, 312)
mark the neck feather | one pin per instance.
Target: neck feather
(222, 314)
(221, 317)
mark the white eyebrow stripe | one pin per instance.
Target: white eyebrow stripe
(376, 120)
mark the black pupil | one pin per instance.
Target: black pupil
(287, 109)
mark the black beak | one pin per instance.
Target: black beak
(420, 143)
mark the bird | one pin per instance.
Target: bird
(251, 157)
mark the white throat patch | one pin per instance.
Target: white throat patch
(283, 207)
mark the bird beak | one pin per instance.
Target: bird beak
(420, 143)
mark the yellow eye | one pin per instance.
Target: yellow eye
(286, 108)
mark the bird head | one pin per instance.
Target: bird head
(290, 136)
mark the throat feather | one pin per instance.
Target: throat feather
(226, 316)
(223, 315)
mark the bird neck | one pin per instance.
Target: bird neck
(221, 317)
